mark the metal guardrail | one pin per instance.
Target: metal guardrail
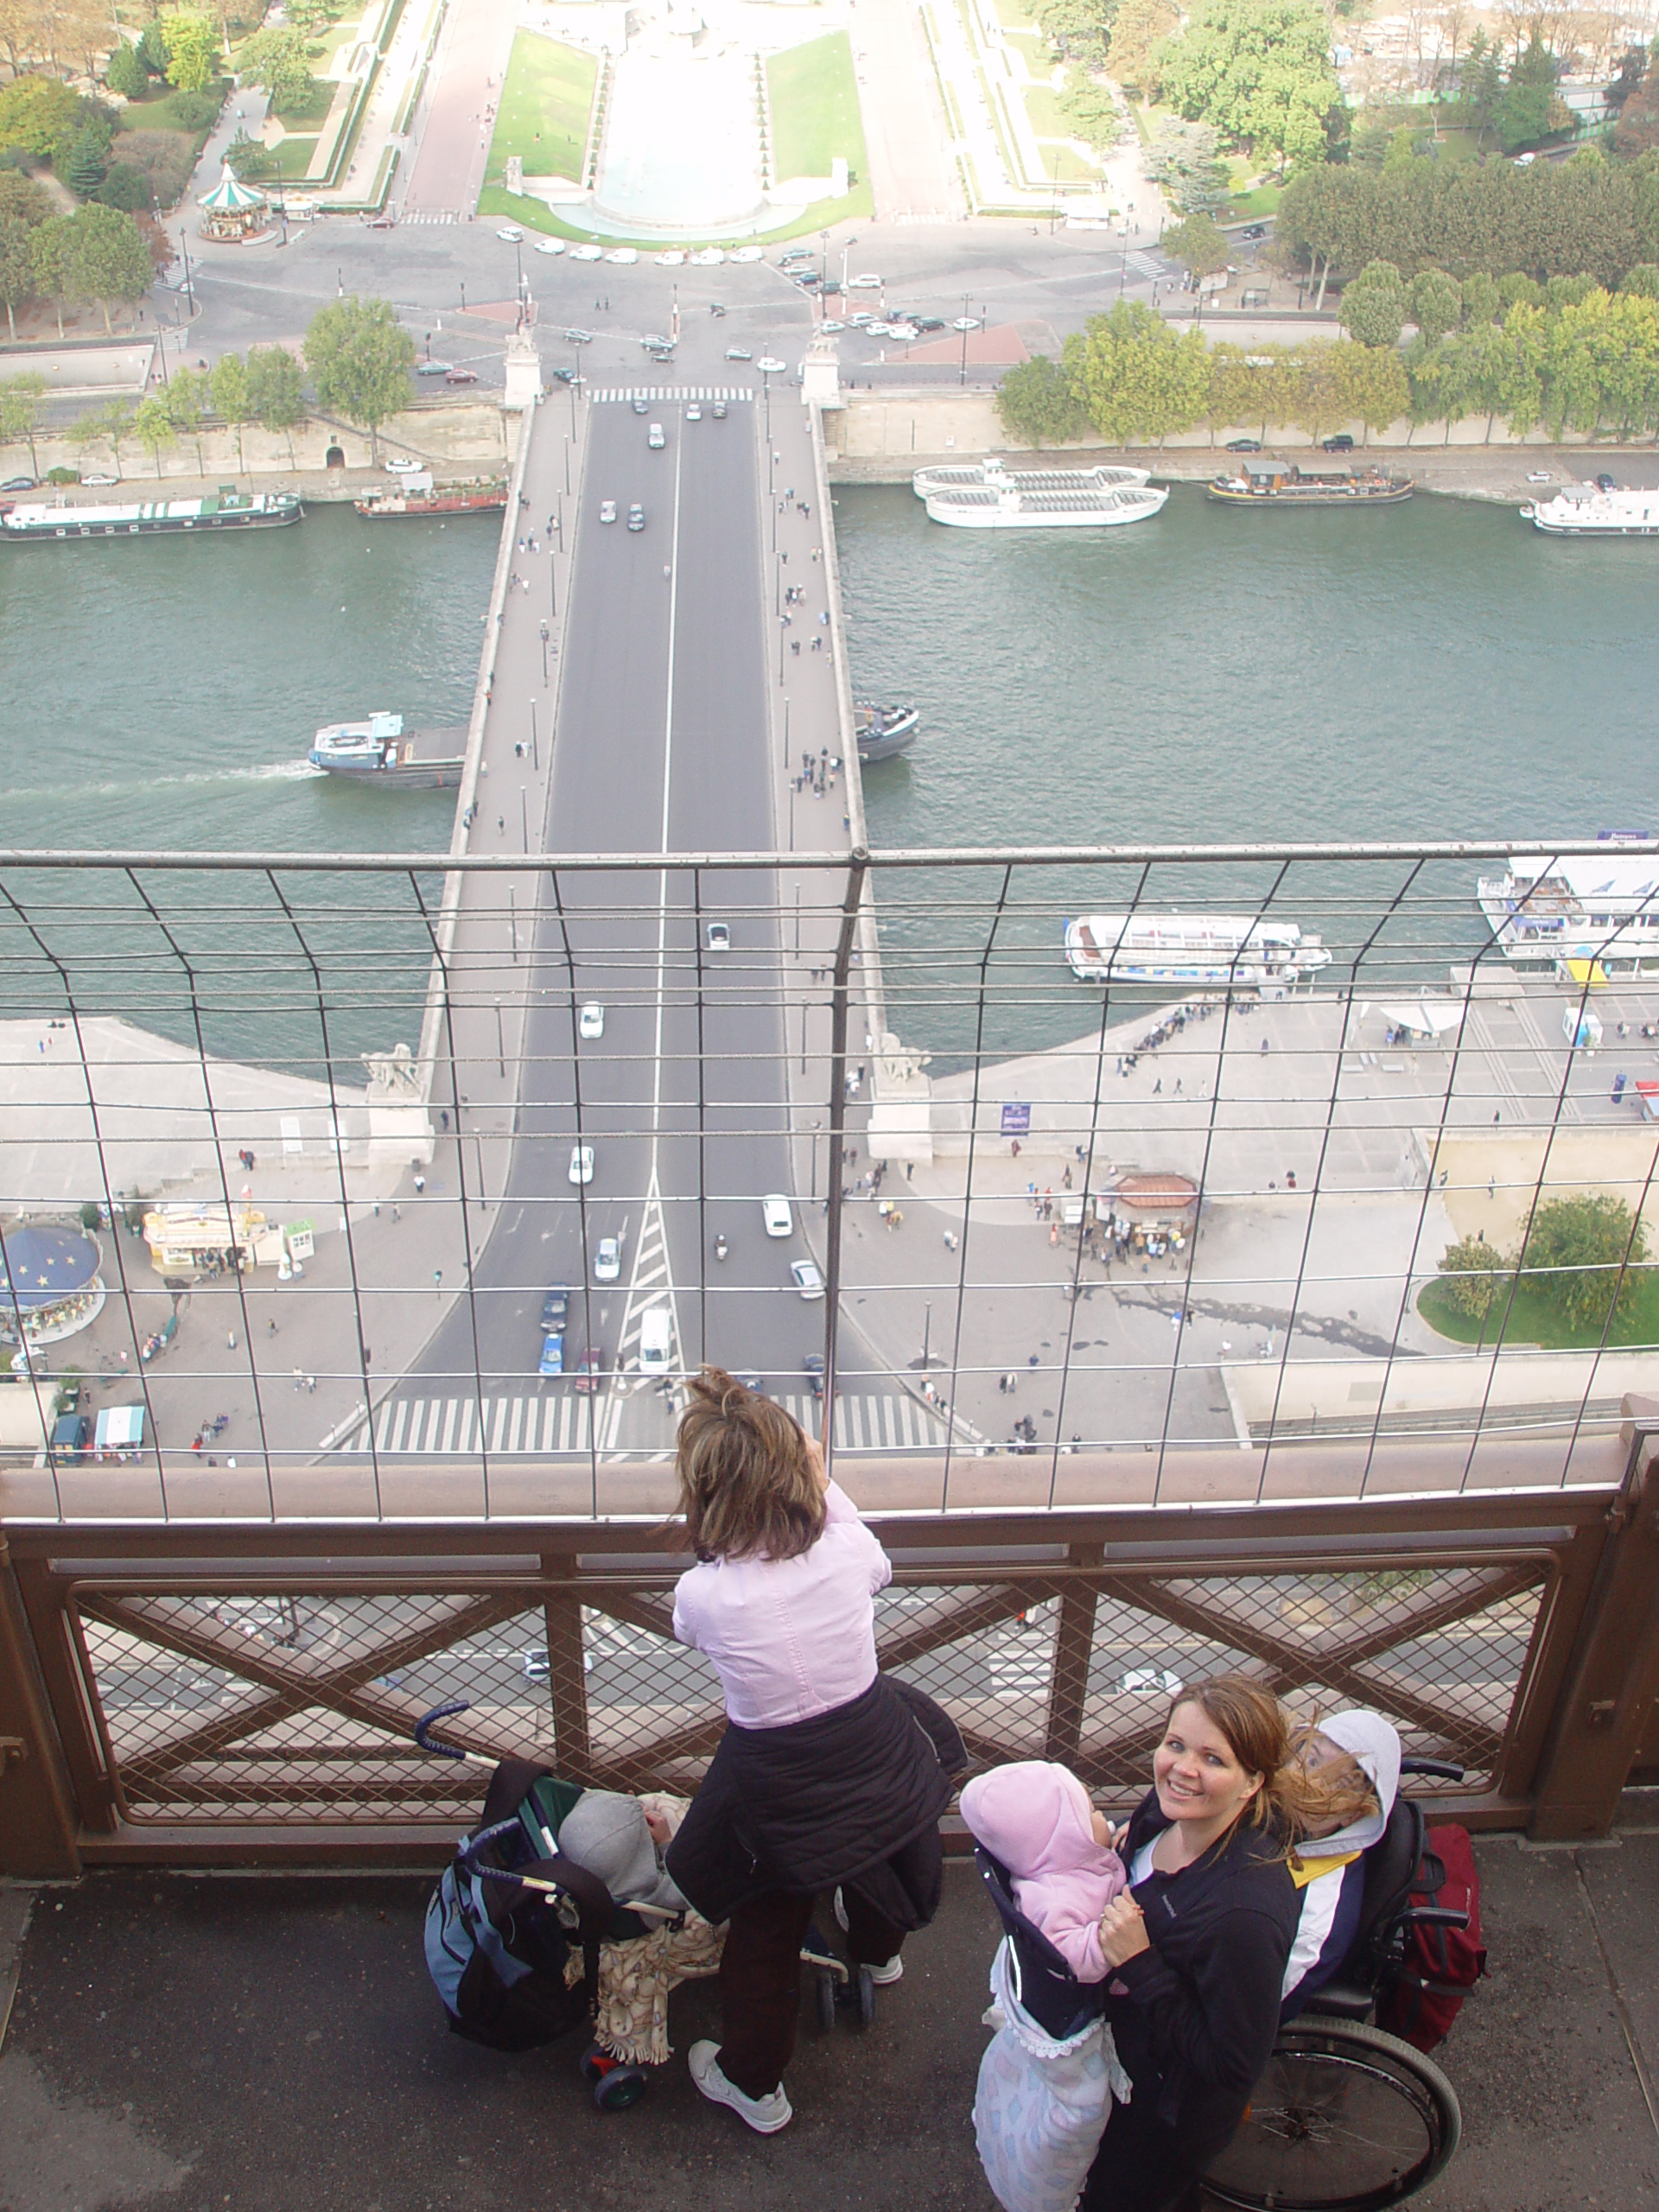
(234, 1695)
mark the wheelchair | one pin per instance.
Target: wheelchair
(1346, 2118)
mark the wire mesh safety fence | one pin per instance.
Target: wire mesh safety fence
(342, 1186)
(220, 1705)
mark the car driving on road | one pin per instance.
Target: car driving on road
(590, 1022)
(608, 1260)
(775, 1213)
(719, 937)
(808, 1278)
(656, 1341)
(636, 516)
(552, 1359)
(556, 1308)
(654, 437)
(582, 1163)
(607, 511)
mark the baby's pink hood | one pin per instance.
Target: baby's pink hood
(1034, 1817)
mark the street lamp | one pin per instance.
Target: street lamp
(847, 246)
(524, 817)
(532, 703)
(965, 323)
(535, 758)
(501, 1056)
(823, 257)
(463, 295)
(429, 346)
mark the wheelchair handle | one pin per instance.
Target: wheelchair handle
(1442, 1770)
(1433, 1916)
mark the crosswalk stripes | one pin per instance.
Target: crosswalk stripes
(533, 1426)
(1142, 264)
(670, 395)
(429, 215)
(435, 1427)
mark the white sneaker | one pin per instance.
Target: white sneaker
(883, 1977)
(766, 2115)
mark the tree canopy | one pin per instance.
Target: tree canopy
(1580, 1254)
(1185, 159)
(1259, 71)
(277, 59)
(1197, 244)
(38, 116)
(360, 358)
(1475, 1272)
(1079, 28)
(275, 394)
(194, 51)
(1138, 36)
(1035, 402)
(1373, 309)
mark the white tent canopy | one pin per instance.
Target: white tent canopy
(1430, 1017)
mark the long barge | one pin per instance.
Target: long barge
(1240, 949)
(418, 495)
(48, 522)
(1282, 484)
(995, 476)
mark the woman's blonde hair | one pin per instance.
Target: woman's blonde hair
(1294, 1800)
(749, 1486)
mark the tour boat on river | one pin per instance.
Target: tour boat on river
(1282, 484)
(1023, 502)
(883, 731)
(46, 523)
(381, 751)
(1585, 511)
(1183, 948)
(972, 475)
(1597, 907)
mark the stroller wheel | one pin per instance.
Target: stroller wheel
(865, 1996)
(622, 2087)
(826, 2001)
(594, 2064)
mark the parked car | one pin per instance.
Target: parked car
(590, 1023)
(1243, 445)
(549, 246)
(1606, 483)
(511, 236)
(587, 253)
(100, 481)
(865, 283)
(1255, 231)
(400, 464)
(929, 321)
(808, 1278)
(1342, 442)
(18, 484)
(70, 1434)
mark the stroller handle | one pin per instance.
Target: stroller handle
(441, 1712)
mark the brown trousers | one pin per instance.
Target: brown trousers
(760, 1981)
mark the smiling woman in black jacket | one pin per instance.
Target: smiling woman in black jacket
(1199, 1943)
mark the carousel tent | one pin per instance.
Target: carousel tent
(231, 209)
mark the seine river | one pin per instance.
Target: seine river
(1433, 670)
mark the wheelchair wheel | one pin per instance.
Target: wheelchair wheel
(1345, 2118)
(622, 2087)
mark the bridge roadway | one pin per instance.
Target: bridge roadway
(662, 744)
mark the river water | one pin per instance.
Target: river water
(164, 693)
(1433, 670)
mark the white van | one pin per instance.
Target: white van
(656, 1341)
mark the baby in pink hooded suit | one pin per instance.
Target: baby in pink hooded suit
(1037, 1818)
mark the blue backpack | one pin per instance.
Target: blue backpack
(500, 1923)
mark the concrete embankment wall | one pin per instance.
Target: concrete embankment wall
(878, 437)
(466, 439)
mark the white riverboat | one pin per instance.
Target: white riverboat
(1010, 506)
(1582, 511)
(975, 475)
(1240, 949)
(1598, 910)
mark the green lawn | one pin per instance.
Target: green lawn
(1039, 54)
(313, 109)
(1048, 119)
(1075, 168)
(293, 159)
(814, 96)
(545, 104)
(1533, 1321)
(1014, 14)
(1251, 206)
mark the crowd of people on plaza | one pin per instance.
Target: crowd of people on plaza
(1199, 1914)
